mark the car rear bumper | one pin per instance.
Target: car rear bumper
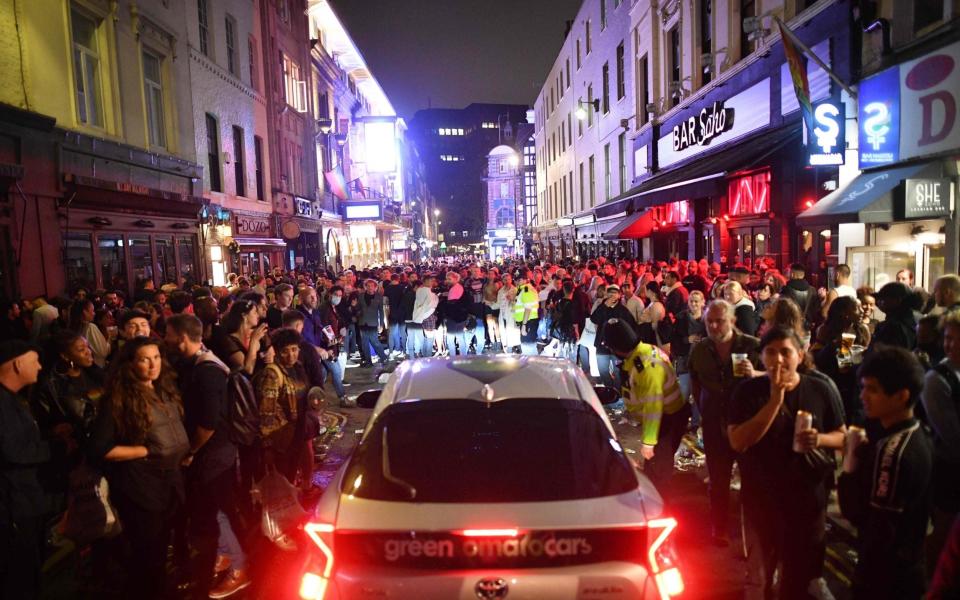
(611, 580)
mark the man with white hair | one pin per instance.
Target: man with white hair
(713, 379)
(744, 309)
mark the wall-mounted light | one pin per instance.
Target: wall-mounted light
(582, 108)
(181, 225)
(99, 221)
(324, 124)
(144, 223)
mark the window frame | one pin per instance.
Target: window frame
(203, 28)
(82, 56)
(154, 100)
(213, 151)
(239, 161)
(230, 35)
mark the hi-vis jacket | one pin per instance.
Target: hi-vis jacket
(527, 298)
(650, 389)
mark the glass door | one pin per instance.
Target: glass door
(166, 259)
(876, 266)
(934, 264)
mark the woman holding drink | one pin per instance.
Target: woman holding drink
(783, 469)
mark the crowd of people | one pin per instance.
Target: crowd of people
(146, 391)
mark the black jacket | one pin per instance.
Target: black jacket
(604, 313)
(22, 453)
(800, 292)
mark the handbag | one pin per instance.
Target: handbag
(90, 516)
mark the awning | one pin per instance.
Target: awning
(701, 176)
(635, 226)
(275, 242)
(866, 199)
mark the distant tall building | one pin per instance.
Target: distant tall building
(454, 144)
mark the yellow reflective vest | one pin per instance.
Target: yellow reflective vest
(650, 389)
(527, 298)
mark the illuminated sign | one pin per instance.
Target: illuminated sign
(749, 194)
(699, 131)
(380, 144)
(910, 110)
(585, 220)
(926, 198)
(879, 119)
(255, 226)
(828, 142)
(356, 212)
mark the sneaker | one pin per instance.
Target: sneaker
(222, 564)
(235, 581)
(346, 402)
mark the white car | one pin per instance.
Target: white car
(490, 477)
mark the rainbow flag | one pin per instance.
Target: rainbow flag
(337, 183)
(798, 73)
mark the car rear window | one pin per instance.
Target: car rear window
(517, 450)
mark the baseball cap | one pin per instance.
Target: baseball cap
(613, 288)
(11, 349)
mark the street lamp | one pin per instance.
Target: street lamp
(581, 111)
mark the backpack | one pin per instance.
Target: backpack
(243, 414)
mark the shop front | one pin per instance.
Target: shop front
(725, 173)
(900, 211)
(302, 233)
(255, 249)
(115, 236)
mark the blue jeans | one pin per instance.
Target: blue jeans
(333, 367)
(481, 334)
(350, 340)
(608, 363)
(419, 342)
(456, 333)
(398, 337)
(370, 337)
(229, 545)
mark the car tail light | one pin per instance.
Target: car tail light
(316, 578)
(491, 533)
(663, 562)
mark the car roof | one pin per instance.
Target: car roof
(487, 378)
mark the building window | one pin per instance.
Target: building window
(593, 182)
(590, 106)
(239, 162)
(581, 187)
(503, 218)
(213, 153)
(706, 40)
(258, 163)
(589, 44)
(603, 14)
(283, 7)
(621, 84)
(568, 73)
(489, 125)
(293, 85)
(153, 93)
(748, 8)
(605, 102)
(606, 173)
(570, 129)
(203, 20)
(233, 58)
(252, 60)
(86, 68)
(673, 39)
(579, 60)
(643, 90)
(529, 156)
(622, 164)
(570, 181)
(927, 13)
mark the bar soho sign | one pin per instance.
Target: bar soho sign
(927, 198)
(698, 131)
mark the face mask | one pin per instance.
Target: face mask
(335, 300)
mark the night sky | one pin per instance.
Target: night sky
(457, 51)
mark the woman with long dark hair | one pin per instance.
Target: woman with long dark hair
(654, 326)
(140, 438)
(241, 336)
(834, 353)
(83, 321)
(71, 390)
(784, 471)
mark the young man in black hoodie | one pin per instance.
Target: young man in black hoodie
(610, 308)
(886, 492)
(801, 292)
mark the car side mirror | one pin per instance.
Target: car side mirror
(368, 399)
(607, 395)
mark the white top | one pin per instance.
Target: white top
(845, 290)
